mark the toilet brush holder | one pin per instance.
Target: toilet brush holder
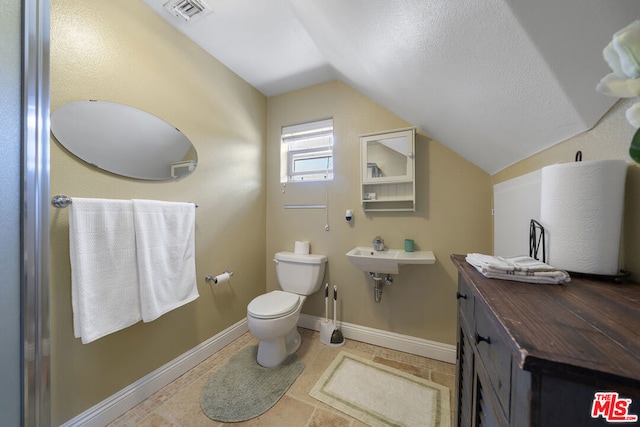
(326, 329)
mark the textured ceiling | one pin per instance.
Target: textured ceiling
(494, 80)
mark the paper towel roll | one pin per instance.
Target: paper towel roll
(581, 209)
(301, 247)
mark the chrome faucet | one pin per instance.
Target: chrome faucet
(378, 243)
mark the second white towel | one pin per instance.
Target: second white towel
(165, 245)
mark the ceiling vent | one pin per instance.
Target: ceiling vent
(187, 11)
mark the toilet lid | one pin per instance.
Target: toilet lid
(273, 304)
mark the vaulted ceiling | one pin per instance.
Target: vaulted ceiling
(494, 80)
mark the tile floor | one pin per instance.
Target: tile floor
(178, 404)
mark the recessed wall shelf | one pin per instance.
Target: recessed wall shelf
(387, 170)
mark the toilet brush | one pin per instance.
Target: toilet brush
(326, 302)
(326, 327)
(336, 336)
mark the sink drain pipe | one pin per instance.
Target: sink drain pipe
(379, 282)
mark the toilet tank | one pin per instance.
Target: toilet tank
(300, 274)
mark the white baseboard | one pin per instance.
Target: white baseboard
(111, 408)
(408, 344)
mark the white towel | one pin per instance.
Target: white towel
(104, 275)
(517, 268)
(165, 241)
(515, 263)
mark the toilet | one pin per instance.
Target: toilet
(273, 317)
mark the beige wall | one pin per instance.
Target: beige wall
(609, 139)
(453, 216)
(121, 51)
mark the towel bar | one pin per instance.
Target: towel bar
(62, 201)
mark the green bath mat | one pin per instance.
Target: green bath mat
(242, 389)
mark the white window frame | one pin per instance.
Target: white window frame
(306, 141)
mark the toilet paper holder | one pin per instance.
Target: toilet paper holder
(209, 278)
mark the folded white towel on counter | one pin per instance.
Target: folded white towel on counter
(518, 268)
(515, 263)
(104, 274)
(165, 240)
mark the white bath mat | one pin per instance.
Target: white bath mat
(382, 396)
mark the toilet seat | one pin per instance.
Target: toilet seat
(273, 304)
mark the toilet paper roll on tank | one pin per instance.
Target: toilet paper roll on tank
(301, 247)
(582, 208)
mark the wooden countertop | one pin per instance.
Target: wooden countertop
(584, 327)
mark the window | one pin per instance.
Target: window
(306, 152)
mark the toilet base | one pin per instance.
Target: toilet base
(271, 353)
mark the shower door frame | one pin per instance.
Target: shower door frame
(34, 265)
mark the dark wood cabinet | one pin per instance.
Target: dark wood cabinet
(536, 355)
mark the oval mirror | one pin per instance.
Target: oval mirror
(123, 140)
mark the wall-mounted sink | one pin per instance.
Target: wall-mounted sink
(387, 261)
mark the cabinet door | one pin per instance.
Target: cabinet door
(388, 157)
(486, 408)
(495, 356)
(464, 378)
